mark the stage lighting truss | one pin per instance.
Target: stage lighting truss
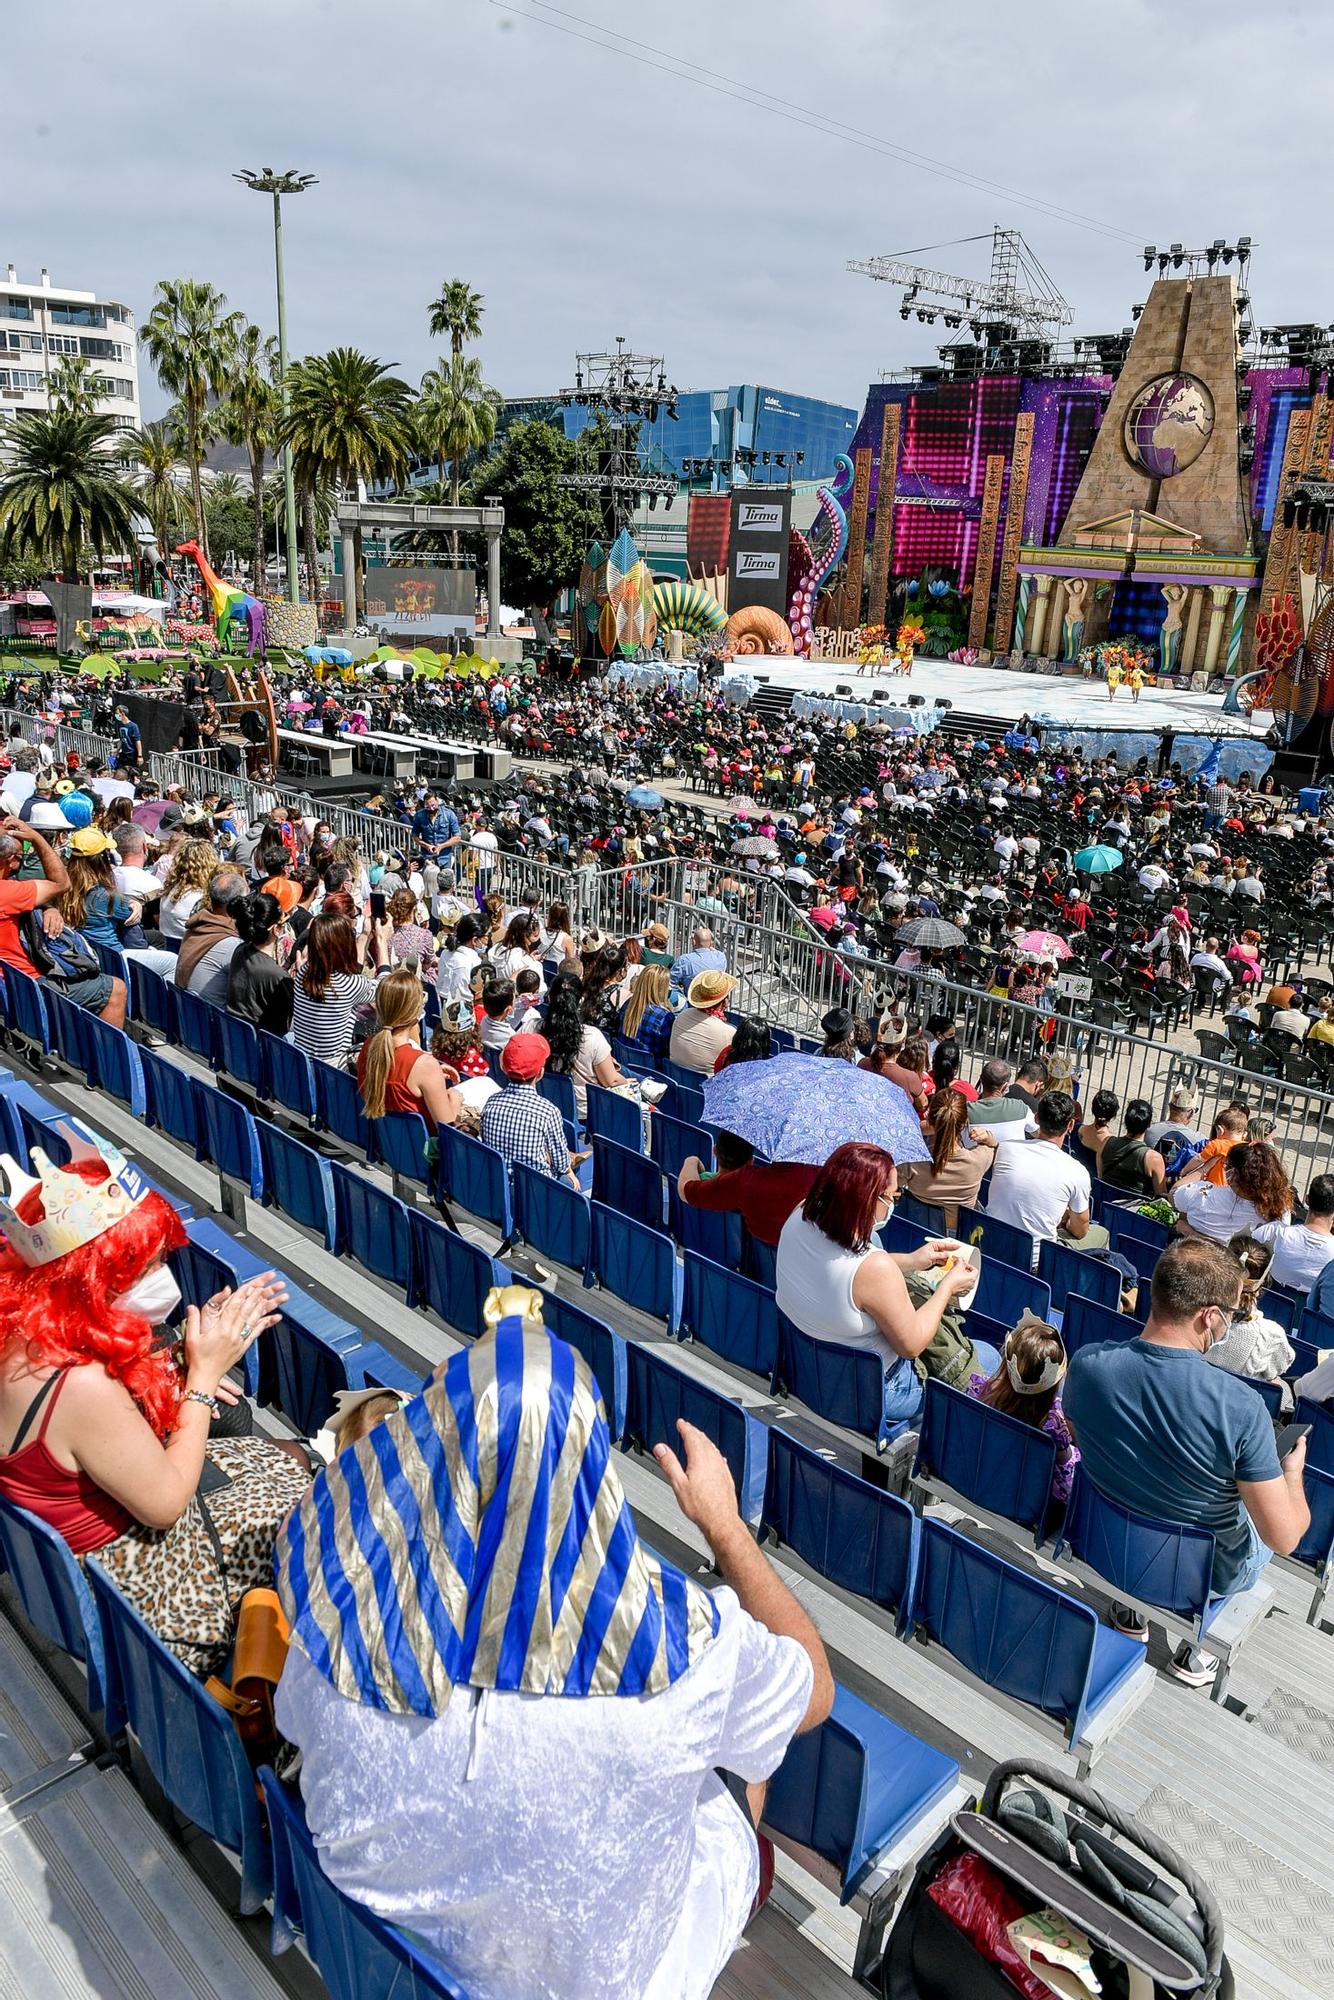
(1308, 505)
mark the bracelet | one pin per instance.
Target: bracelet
(210, 1403)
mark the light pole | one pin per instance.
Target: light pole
(269, 182)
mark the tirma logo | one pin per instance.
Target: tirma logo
(756, 519)
(756, 563)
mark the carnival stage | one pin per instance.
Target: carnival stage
(1002, 694)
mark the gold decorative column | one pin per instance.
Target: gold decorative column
(850, 597)
(1220, 598)
(985, 566)
(883, 545)
(1040, 609)
(1190, 645)
(1278, 562)
(1020, 459)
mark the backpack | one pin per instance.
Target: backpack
(63, 959)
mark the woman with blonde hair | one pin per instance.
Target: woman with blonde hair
(193, 867)
(394, 1072)
(646, 1018)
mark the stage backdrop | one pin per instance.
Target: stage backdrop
(159, 721)
(757, 557)
(416, 601)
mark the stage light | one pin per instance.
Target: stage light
(1244, 331)
(905, 312)
(1178, 256)
(1150, 252)
(578, 378)
(801, 458)
(1135, 311)
(1243, 247)
(764, 458)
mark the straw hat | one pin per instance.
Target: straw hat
(709, 989)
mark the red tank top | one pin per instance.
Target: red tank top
(70, 1502)
(397, 1096)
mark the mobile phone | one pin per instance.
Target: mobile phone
(377, 906)
(1291, 1436)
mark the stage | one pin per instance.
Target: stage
(1006, 695)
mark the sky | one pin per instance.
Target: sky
(706, 215)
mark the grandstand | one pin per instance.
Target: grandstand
(960, 1634)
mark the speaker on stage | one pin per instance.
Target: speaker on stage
(159, 721)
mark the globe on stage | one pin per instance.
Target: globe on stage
(1168, 424)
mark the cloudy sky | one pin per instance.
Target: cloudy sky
(705, 211)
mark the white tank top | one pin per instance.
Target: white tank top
(814, 1288)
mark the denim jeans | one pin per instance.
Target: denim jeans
(903, 1393)
(1254, 1562)
(988, 1357)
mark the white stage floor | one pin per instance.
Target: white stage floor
(1001, 692)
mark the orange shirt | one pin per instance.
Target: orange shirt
(1216, 1152)
(16, 898)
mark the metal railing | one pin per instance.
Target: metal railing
(65, 736)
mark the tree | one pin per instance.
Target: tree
(543, 543)
(74, 388)
(154, 450)
(247, 416)
(348, 420)
(191, 339)
(230, 513)
(456, 418)
(62, 491)
(457, 312)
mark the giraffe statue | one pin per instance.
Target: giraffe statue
(228, 603)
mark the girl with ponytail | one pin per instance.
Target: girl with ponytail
(394, 1072)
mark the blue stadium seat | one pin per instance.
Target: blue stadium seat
(718, 1236)
(1023, 1637)
(291, 1075)
(69, 1025)
(1315, 1551)
(150, 1000)
(25, 1008)
(301, 1369)
(189, 1741)
(1284, 1306)
(760, 1261)
(845, 1385)
(358, 1955)
(996, 1238)
(242, 1057)
(174, 1100)
(231, 1141)
(116, 1064)
(854, 1534)
(854, 1788)
(1085, 1322)
(1006, 1294)
(921, 1214)
(371, 1225)
(1320, 1444)
(660, 1392)
(637, 1264)
(551, 1217)
(901, 1234)
(688, 1101)
(212, 1259)
(372, 1366)
(626, 1181)
(493, 1068)
(672, 1141)
(49, 1580)
(1160, 1562)
(611, 1116)
(559, 1090)
(114, 963)
(299, 1182)
(1143, 1256)
(476, 1179)
(339, 1110)
(197, 1026)
(400, 1141)
(991, 1461)
(730, 1315)
(603, 1350)
(1270, 1392)
(451, 1275)
(1074, 1273)
(1124, 1222)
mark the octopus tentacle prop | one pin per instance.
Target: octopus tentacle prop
(819, 555)
(228, 602)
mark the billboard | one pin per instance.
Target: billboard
(413, 602)
(757, 548)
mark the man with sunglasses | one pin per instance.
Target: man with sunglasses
(1161, 1433)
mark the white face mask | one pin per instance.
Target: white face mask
(155, 1296)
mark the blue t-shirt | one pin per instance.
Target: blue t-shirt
(1162, 1432)
(103, 909)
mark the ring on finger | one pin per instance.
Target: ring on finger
(247, 1333)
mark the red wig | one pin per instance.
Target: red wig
(845, 1194)
(63, 1313)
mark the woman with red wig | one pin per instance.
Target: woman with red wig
(104, 1431)
(835, 1284)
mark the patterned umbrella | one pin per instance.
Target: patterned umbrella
(931, 934)
(1044, 944)
(755, 847)
(1098, 860)
(800, 1108)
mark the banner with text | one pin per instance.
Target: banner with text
(757, 550)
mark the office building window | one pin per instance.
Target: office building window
(15, 309)
(62, 343)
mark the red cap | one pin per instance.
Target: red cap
(524, 1057)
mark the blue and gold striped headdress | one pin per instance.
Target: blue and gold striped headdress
(480, 1538)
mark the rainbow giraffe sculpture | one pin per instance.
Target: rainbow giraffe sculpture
(228, 603)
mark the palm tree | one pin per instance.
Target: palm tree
(191, 339)
(456, 418)
(155, 450)
(62, 490)
(74, 388)
(458, 312)
(350, 420)
(247, 416)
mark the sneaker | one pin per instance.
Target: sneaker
(1129, 1623)
(1195, 1668)
(653, 1091)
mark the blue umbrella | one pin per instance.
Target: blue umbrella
(645, 798)
(800, 1108)
(1098, 860)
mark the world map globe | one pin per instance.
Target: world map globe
(1168, 424)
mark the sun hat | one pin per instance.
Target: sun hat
(91, 840)
(524, 1057)
(458, 1016)
(592, 941)
(47, 817)
(709, 989)
(192, 814)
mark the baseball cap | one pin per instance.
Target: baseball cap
(90, 840)
(524, 1057)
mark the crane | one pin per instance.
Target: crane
(1019, 299)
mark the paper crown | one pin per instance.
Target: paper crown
(1053, 1370)
(73, 1211)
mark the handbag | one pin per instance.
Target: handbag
(1046, 1843)
(64, 959)
(258, 1659)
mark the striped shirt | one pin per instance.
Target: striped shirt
(323, 1028)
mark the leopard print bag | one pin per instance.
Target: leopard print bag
(173, 1576)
